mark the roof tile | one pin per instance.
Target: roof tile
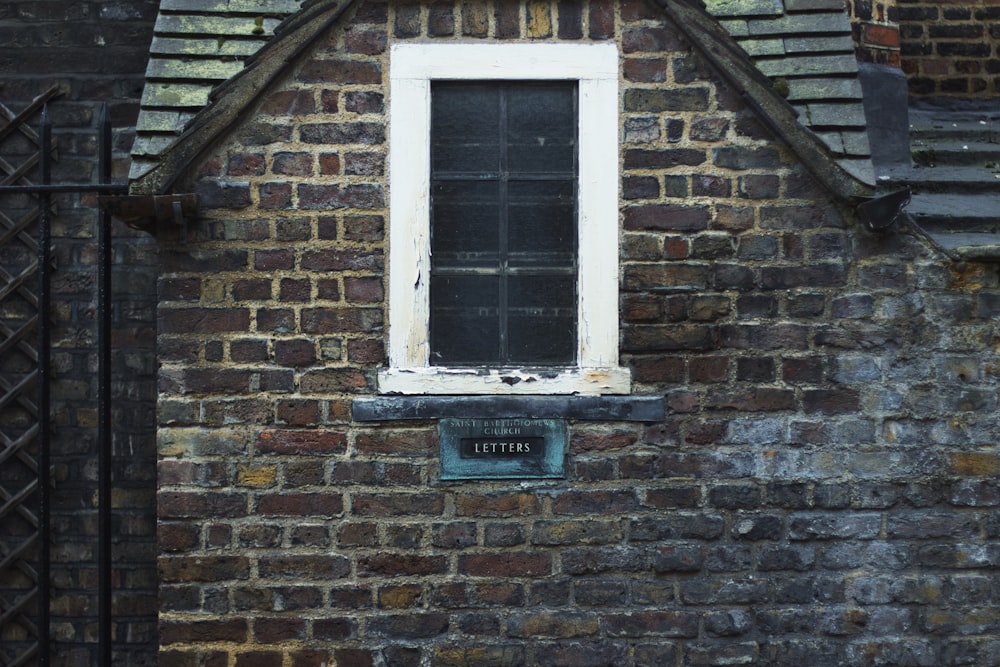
(809, 66)
(200, 43)
(722, 8)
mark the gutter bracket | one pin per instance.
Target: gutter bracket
(882, 213)
(153, 213)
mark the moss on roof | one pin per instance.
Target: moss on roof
(211, 58)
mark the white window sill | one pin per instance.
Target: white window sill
(514, 381)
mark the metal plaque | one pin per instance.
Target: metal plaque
(502, 448)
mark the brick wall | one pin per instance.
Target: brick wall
(876, 31)
(822, 492)
(950, 49)
(95, 52)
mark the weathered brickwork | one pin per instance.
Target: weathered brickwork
(822, 492)
(95, 52)
(950, 49)
(876, 31)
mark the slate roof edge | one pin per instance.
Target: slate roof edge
(233, 99)
(731, 62)
(292, 37)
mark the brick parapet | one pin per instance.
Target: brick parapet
(950, 49)
(819, 492)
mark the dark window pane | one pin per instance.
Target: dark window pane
(542, 319)
(542, 218)
(465, 320)
(541, 127)
(503, 223)
(465, 221)
(465, 120)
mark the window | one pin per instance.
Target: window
(503, 229)
(503, 224)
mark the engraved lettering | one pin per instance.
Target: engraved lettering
(486, 447)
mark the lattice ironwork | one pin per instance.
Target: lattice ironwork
(23, 575)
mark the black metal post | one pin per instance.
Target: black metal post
(105, 438)
(44, 398)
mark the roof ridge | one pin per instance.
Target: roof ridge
(221, 109)
(721, 49)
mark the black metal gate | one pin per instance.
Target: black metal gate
(26, 482)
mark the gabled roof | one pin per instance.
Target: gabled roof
(197, 45)
(805, 48)
(792, 62)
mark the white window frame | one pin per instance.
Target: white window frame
(412, 68)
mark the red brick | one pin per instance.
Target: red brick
(757, 399)
(297, 412)
(408, 443)
(507, 20)
(274, 260)
(189, 631)
(300, 504)
(498, 504)
(512, 564)
(244, 350)
(337, 380)
(252, 289)
(831, 401)
(593, 502)
(292, 164)
(193, 658)
(350, 597)
(599, 441)
(274, 630)
(341, 71)
(401, 564)
(275, 196)
(203, 320)
(174, 537)
(364, 227)
(397, 504)
(357, 534)
(294, 289)
(341, 320)
(329, 164)
(296, 353)
(304, 566)
(259, 659)
(179, 289)
(302, 442)
(708, 369)
(361, 196)
(328, 289)
(642, 308)
(645, 70)
(289, 103)
(363, 290)
(245, 164)
(602, 19)
(195, 504)
(334, 628)
(355, 472)
(329, 101)
(365, 351)
(366, 42)
(203, 568)
(704, 432)
(312, 657)
(666, 217)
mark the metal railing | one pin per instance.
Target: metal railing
(25, 380)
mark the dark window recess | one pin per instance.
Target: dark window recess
(503, 223)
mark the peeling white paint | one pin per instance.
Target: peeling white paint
(412, 68)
